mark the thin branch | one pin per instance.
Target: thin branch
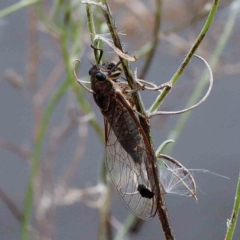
(15, 7)
(187, 59)
(79, 152)
(34, 50)
(91, 27)
(11, 206)
(195, 105)
(16, 212)
(16, 149)
(95, 4)
(162, 209)
(104, 230)
(45, 90)
(231, 223)
(36, 156)
(223, 39)
(155, 41)
(196, 18)
(76, 77)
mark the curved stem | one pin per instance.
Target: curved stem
(188, 57)
(162, 209)
(175, 133)
(196, 104)
(36, 157)
(35, 163)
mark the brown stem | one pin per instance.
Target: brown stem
(16, 149)
(162, 209)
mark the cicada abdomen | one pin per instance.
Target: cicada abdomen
(127, 152)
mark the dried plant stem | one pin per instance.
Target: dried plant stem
(68, 55)
(36, 157)
(16, 212)
(175, 133)
(162, 96)
(196, 18)
(21, 152)
(128, 74)
(33, 55)
(105, 230)
(11, 206)
(155, 41)
(162, 209)
(193, 105)
(91, 27)
(15, 7)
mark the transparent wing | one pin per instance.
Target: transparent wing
(126, 158)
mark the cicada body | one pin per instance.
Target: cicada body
(127, 148)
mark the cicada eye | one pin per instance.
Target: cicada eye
(100, 76)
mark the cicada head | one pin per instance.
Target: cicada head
(102, 75)
(99, 82)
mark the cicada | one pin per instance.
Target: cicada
(128, 150)
(130, 160)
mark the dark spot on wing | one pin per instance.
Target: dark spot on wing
(145, 192)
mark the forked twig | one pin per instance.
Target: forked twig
(150, 115)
